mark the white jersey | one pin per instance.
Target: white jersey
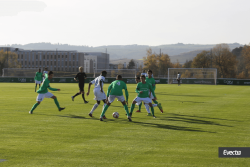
(178, 76)
(44, 72)
(146, 75)
(97, 80)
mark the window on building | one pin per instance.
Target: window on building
(51, 63)
(73, 63)
(66, 56)
(47, 56)
(36, 63)
(55, 69)
(62, 56)
(65, 63)
(43, 56)
(21, 56)
(54, 63)
(36, 56)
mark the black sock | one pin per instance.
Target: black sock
(76, 95)
(83, 97)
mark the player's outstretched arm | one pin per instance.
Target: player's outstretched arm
(89, 88)
(53, 89)
(100, 83)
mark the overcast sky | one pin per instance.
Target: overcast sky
(123, 22)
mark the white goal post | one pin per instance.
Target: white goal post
(111, 73)
(193, 75)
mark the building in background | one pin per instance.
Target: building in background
(61, 60)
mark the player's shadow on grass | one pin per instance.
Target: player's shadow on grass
(184, 101)
(183, 115)
(171, 127)
(185, 95)
(155, 125)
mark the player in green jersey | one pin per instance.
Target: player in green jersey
(151, 81)
(143, 89)
(137, 80)
(115, 91)
(38, 78)
(43, 92)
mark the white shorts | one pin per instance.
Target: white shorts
(112, 98)
(38, 82)
(40, 97)
(151, 96)
(146, 100)
(99, 95)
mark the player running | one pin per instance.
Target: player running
(43, 92)
(38, 78)
(98, 91)
(81, 76)
(151, 81)
(143, 89)
(115, 91)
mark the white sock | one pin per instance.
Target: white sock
(154, 105)
(103, 106)
(147, 108)
(94, 107)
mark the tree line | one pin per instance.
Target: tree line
(8, 60)
(229, 64)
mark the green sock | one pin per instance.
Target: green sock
(104, 110)
(57, 104)
(39, 86)
(126, 109)
(152, 110)
(140, 107)
(155, 102)
(132, 108)
(34, 107)
(35, 88)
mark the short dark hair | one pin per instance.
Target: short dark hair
(118, 77)
(150, 71)
(137, 78)
(143, 76)
(104, 72)
(50, 72)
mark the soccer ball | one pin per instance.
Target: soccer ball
(116, 115)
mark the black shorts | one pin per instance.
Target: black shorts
(81, 86)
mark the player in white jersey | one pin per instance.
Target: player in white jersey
(45, 72)
(98, 91)
(179, 78)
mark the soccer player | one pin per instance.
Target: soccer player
(98, 91)
(115, 91)
(43, 92)
(151, 81)
(143, 89)
(38, 78)
(179, 79)
(45, 72)
(81, 76)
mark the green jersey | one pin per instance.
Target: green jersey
(151, 81)
(45, 86)
(39, 76)
(145, 88)
(115, 88)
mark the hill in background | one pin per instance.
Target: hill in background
(179, 51)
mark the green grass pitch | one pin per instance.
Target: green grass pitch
(197, 119)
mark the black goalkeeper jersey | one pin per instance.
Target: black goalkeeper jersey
(81, 77)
